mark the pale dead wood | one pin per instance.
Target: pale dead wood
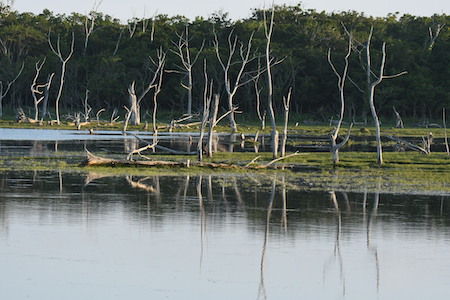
(187, 63)
(89, 24)
(64, 61)
(371, 91)
(232, 84)
(22, 118)
(445, 132)
(140, 150)
(277, 159)
(408, 145)
(286, 106)
(399, 119)
(252, 161)
(268, 30)
(165, 148)
(93, 160)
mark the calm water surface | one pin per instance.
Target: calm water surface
(215, 237)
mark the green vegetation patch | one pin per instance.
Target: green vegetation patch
(408, 172)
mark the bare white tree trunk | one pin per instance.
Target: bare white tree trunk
(399, 119)
(286, 106)
(434, 35)
(214, 108)
(135, 113)
(445, 132)
(232, 85)
(371, 90)
(341, 85)
(184, 53)
(46, 95)
(268, 32)
(35, 89)
(64, 61)
(118, 41)
(89, 24)
(207, 97)
(158, 86)
(135, 101)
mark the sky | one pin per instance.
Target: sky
(237, 9)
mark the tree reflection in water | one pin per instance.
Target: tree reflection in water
(254, 208)
(262, 288)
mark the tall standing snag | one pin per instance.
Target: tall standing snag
(286, 106)
(232, 85)
(268, 29)
(341, 85)
(64, 61)
(371, 91)
(184, 53)
(155, 82)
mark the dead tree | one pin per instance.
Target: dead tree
(132, 25)
(64, 61)
(4, 92)
(46, 95)
(135, 101)
(371, 91)
(399, 123)
(36, 92)
(341, 85)
(445, 132)
(89, 24)
(187, 63)
(261, 116)
(214, 107)
(286, 106)
(207, 96)
(232, 85)
(118, 41)
(427, 142)
(157, 89)
(434, 35)
(268, 29)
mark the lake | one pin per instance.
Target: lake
(221, 236)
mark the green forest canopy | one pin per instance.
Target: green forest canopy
(118, 54)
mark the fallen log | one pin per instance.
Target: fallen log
(93, 160)
(408, 145)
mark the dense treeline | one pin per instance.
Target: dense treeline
(108, 59)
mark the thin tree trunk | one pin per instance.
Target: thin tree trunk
(286, 105)
(64, 61)
(371, 89)
(274, 134)
(212, 122)
(445, 131)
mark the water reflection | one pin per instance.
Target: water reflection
(196, 237)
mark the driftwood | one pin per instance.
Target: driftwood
(155, 146)
(409, 145)
(22, 118)
(93, 160)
